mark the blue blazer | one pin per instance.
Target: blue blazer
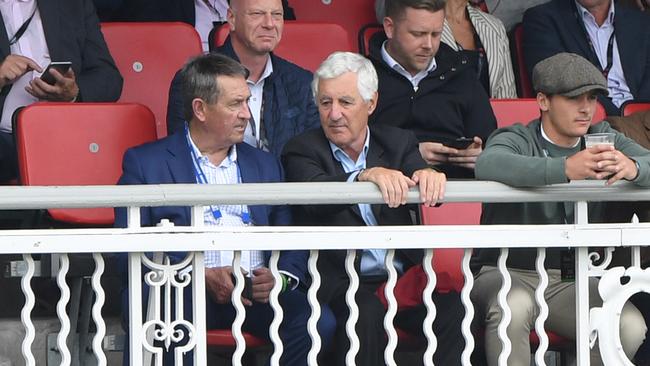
(169, 160)
(552, 28)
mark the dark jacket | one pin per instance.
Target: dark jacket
(72, 34)
(449, 103)
(308, 158)
(552, 28)
(289, 108)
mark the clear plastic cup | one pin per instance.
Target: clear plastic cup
(593, 139)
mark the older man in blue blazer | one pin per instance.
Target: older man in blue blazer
(209, 150)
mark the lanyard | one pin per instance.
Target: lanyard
(610, 45)
(22, 29)
(201, 179)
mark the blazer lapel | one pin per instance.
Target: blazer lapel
(50, 17)
(575, 28)
(4, 41)
(628, 50)
(179, 161)
(374, 159)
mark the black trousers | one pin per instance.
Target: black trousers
(371, 333)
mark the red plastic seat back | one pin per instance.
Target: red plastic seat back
(350, 14)
(306, 44)
(61, 144)
(148, 56)
(632, 107)
(365, 34)
(524, 110)
(447, 262)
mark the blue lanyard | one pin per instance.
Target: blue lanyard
(201, 179)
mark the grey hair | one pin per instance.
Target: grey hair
(339, 63)
(199, 78)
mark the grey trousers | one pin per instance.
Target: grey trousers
(560, 297)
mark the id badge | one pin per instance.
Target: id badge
(568, 265)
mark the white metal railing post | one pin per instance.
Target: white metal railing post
(198, 292)
(582, 289)
(135, 296)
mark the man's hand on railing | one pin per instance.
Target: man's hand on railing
(263, 282)
(218, 281)
(394, 185)
(432, 185)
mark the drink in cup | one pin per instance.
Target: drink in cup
(593, 139)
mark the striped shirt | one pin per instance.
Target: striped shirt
(231, 215)
(493, 36)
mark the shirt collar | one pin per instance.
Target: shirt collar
(587, 15)
(268, 70)
(337, 151)
(396, 66)
(230, 159)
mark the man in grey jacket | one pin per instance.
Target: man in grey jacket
(551, 150)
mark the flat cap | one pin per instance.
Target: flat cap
(569, 75)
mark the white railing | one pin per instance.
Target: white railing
(196, 239)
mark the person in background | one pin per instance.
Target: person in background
(280, 101)
(613, 37)
(428, 88)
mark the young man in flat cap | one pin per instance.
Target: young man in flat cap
(551, 150)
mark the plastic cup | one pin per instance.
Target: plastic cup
(593, 139)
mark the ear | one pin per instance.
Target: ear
(198, 109)
(389, 27)
(230, 16)
(372, 103)
(543, 102)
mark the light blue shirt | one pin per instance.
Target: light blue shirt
(619, 91)
(372, 260)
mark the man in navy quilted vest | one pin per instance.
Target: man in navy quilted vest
(280, 101)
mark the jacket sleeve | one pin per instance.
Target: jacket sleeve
(131, 175)
(175, 113)
(634, 151)
(479, 118)
(507, 159)
(99, 80)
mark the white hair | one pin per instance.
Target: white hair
(339, 63)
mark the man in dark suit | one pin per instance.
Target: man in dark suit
(346, 150)
(35, 33)
(210, 151)
(614, 38)
(280, 102)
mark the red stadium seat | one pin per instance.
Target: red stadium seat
(306, 44)
(350, 14)
(524, 110)
(62, 144)
(365, 34)
(148, 56)
(631, 107)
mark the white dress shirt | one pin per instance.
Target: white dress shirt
(414, 79)
(32, 44)
(255, 102)
(206, 12)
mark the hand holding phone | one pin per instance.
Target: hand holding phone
(460, 143)
(61, 66)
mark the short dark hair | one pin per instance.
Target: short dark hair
(199, 78)
(395, 8)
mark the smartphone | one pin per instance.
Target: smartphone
(61, 66)
(247, 293)
(459, 143)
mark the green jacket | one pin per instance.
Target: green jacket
(515, 156)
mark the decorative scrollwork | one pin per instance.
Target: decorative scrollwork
(604, 321)
(595, 262)
(169, 333)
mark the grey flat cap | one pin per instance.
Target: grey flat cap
(569, 75)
